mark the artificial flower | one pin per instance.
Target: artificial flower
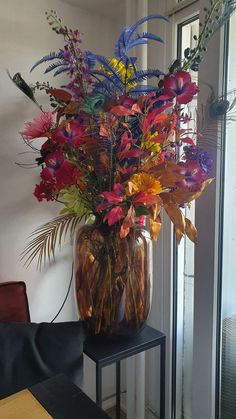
(116, 148)
(39, 127)
(143, 182)
(72, 133)
(114, 215)
(180, 85)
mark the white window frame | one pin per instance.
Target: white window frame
(207, 222)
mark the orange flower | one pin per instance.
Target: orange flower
(143, 182)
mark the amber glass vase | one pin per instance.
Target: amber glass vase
(113, 278)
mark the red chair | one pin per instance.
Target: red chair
(14, 307)
(32, 352)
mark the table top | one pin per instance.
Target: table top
(105, 352)
(64, 400)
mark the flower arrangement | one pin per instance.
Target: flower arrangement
(115, 148)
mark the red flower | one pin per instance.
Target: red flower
(180, 86)
(43, 191)
(39, 127)
(72, 134)
(114, 215)
(54, 160)
(47, 174)
(68, 174)
(111, 197)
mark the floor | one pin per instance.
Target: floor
(112, 413)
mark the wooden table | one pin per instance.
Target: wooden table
(56, 398)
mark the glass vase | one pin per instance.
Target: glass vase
(113, 279)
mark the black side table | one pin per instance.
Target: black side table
(104, 353)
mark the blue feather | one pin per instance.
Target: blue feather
(61, 70)
(146, 74)
(90, 59)
(136, 42)
(152, 36)
(142, 88)
(117, 83)
(104, 61)
(127, 40)
(133, 27)
(51, 56)
(53, 66)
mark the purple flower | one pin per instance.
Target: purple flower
(202, 157)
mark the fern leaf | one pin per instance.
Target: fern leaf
(46, 237)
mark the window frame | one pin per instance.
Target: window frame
(207, 295)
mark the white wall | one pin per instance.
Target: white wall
(25, 37)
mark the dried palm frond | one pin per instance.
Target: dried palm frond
(47, 237)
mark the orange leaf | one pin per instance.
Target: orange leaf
(176, 216)
(122, 111)
(60, 94)
(155, 228)
(72, 108)
(178, 235)
(190, 230)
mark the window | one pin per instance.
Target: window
(227, 323)
(184, 269)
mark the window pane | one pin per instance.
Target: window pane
(228, 354)
(185, 271)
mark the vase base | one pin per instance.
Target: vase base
(116, 335)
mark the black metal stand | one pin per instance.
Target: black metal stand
(104, 353)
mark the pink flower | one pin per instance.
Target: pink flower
(114, 215)
(39, 127)
(180, 86)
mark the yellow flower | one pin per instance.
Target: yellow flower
(143, 182)
(151, 146)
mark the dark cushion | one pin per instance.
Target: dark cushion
(13, 302)
(31, 353)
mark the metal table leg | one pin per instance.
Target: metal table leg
(118, 390)
(98, 385)
(162, 379)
